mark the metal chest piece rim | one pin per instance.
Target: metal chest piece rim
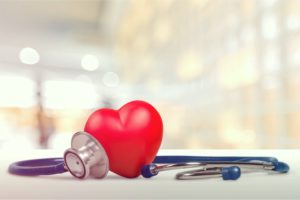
(86, 157)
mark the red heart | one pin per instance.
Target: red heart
(131, 136)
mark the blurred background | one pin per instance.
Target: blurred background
(223, 74)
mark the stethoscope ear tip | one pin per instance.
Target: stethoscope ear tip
(147, 171)
(281, 167)
(231, 173)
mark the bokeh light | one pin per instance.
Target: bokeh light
(29, 56)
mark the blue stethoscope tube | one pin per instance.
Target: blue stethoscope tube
(86, 152)
(50, 166)
(227, 167)
(36, 167)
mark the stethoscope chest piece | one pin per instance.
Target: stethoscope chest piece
(86, 157)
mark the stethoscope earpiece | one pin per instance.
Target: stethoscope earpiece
(231, 173)
(281, 167)
(227, 173)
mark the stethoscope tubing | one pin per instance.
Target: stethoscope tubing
(50, 166)
(36, 167)
(185, 159)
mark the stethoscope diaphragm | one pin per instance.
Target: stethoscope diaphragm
(86, 157)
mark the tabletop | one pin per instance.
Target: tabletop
(63, 186)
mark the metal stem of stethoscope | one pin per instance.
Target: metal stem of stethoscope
(232, 170)
(253, 165)
(228, 170)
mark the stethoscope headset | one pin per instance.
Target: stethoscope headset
(87, 158)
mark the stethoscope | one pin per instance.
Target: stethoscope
(87, 157)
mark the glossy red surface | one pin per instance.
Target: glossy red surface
(131, 136)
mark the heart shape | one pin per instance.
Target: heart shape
(131, 136)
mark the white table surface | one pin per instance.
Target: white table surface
(64, 186)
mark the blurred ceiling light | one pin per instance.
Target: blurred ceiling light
(89, 62)
(189, 66)
(29, 56)
(111, 79)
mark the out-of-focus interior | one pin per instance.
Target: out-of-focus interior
(223, 74)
